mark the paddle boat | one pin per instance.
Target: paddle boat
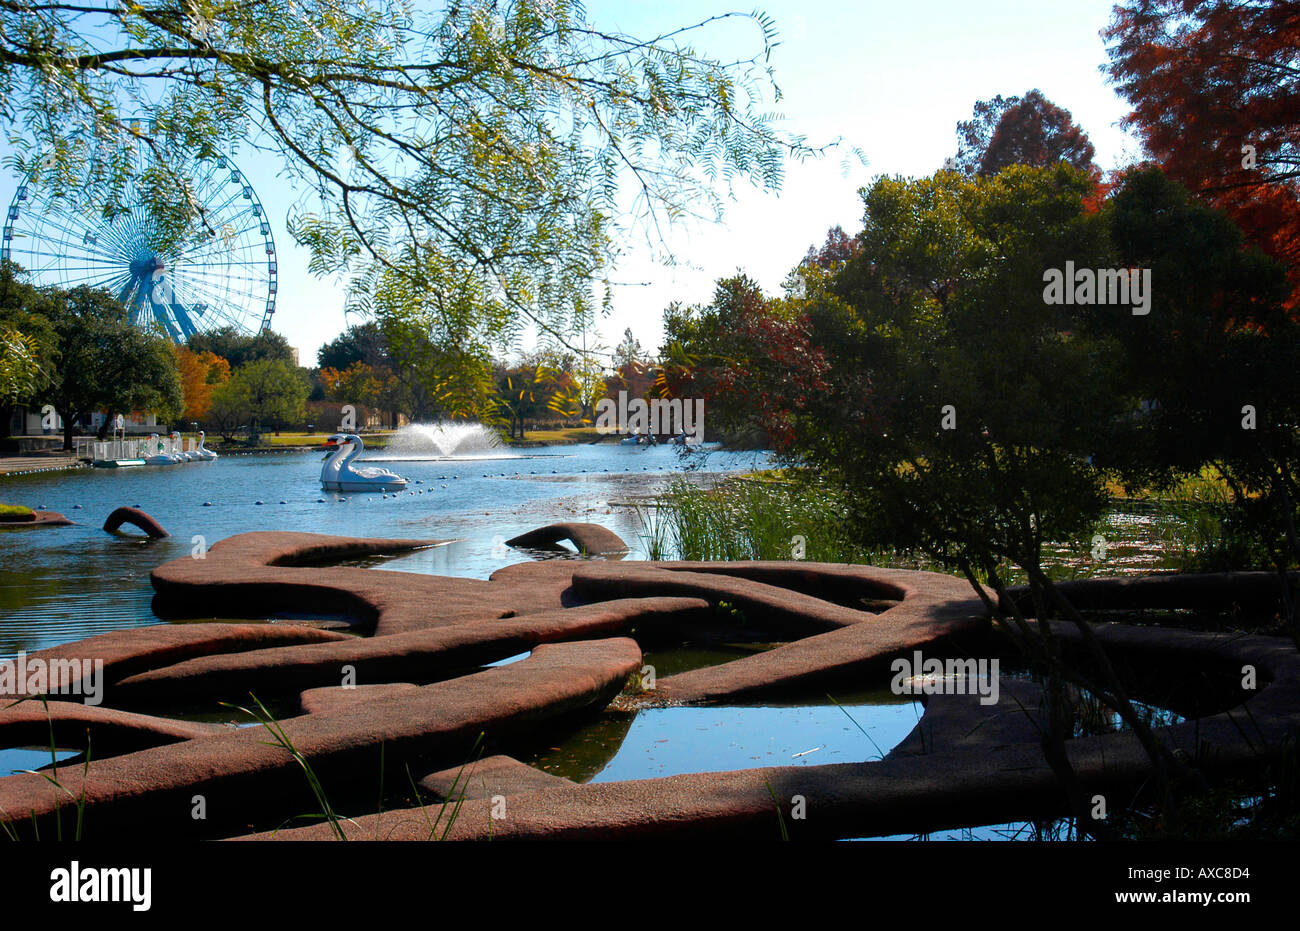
(158, 454)
(203, 453)
(178, 448)
(338, 473)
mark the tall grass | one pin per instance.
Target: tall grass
(746, 519)
(1202, 529)
(1195, 526)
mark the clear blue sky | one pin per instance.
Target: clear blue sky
(890, 77)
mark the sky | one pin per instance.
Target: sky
(891, 78)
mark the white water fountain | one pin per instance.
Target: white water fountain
(446, 440)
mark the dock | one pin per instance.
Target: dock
(17, 465)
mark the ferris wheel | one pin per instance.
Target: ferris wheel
(216, 268)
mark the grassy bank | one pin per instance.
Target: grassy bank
(559, 436)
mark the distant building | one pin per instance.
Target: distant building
(28, 421)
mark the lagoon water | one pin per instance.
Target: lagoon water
(62, 584)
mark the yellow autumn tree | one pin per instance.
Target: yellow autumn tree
(201, 373)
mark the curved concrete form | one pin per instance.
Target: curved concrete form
(36, 519)
(588, 539)
(428, 685)
(137, 518)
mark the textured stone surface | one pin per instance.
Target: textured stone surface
(488, 777)
(433, 724)
(958, 781)
(106, 731)
(36, 519)
(415, 694)
(588, 539)
(137, 518)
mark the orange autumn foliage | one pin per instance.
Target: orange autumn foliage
(1213, 85)
(201, 373)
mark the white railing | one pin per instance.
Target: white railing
(134, 447)
(119, 447)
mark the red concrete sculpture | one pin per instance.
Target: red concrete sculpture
(417, 691)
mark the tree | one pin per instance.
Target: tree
(363, 342)
(839, 247)
(575, 382)
(200, 373)
(483, 141)
(275, 390)
(1227, 390)
(362, 384)
(1213, 85)
(953, 393)
(1029, 130)
(239, 348)
(27, 341)
(438, 341)
(229, 408)
(106, 363)
(523, 394)
(961, 409)
(267, 392)
(629, 350)
(726, 351)
(20, 371)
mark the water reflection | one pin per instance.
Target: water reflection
(63, 584)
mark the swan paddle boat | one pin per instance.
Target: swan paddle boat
(338, 473)
(203, 452)
(158, 454)
(178, 445)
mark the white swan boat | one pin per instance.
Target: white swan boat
(158, 454)
(338, 473)
(178, 449)
(203, 452)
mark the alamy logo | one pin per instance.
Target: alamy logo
(23, 676)
(676, 416)
(1099, 286)
(103, 884)
(933, 676)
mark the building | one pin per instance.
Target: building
(30, 421)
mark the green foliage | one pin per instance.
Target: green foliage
(360, 343)
(106, 363)
(941, 312)
(239, 348)
(476, 149)
(264, 393)
(436, 329)
(722, 350)
(28, 345)
(522, 395)
(1226, 390)
(21, 375)
(749, 519)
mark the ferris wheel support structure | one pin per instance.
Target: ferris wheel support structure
(220, 270)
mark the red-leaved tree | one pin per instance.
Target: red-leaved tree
(1029, 130)
(1215, 91)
